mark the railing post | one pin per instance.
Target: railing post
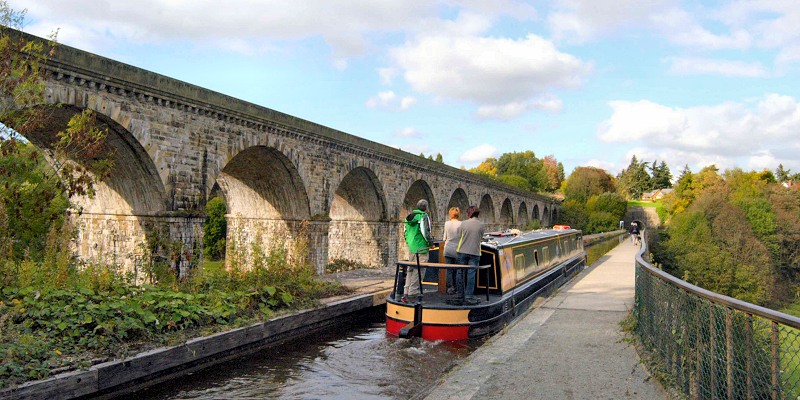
(698, 348)
(729, 351)
(712, 357)
(749, 345)
(776, 371)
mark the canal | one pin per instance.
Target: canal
(355, 359)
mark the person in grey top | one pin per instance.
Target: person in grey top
(469, 249)
(450, 245)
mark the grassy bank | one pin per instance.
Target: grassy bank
(95, 314)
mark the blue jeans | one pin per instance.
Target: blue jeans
(451, 274)
(467, 259)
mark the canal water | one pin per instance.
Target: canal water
(355, 360)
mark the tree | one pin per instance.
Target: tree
(662, 177)
(554, 171)
(35, 197)
(634, 180)
(524, 164)
(585, 182)
(215, 229)
(486, 168)
(782, 175)
(439, 158)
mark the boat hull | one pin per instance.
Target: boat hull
(451, 322)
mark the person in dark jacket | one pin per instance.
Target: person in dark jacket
(634, 233)
(417, 232)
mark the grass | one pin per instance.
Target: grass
(658, 205)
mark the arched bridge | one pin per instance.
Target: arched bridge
(177, 144)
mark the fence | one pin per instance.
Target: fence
(712, 346)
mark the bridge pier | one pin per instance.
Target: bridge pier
(130, 241)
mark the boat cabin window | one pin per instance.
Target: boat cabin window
(536, 257)
(519, 262)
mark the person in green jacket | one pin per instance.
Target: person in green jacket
(417, 233)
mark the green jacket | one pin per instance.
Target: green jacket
(418, 232)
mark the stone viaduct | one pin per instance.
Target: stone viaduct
(176, 145)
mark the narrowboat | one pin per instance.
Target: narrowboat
(515, 268)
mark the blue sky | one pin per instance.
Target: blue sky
(590, 82)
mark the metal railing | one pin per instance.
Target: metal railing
(711, 346)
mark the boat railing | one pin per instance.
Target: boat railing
(402, 270)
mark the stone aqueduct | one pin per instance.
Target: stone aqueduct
(177, 144)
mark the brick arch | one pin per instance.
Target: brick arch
(487, 210)
(523, 218)
(459, 199)
(506, 214)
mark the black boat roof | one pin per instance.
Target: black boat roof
(497, 240)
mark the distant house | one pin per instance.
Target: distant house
(790, 184)
(657, 194)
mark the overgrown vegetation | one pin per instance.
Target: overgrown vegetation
(342, 264)
(737, 234)
(591, 202)
(58, 313)
(524, 170)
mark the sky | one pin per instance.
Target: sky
(590, 82)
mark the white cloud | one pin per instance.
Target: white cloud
(512, 110)
(478, 154)
(505, 77)
(387, 75)
(242, 24)
(682, 28)
(579, 21)
(727, 134)
(704, 66)
(407, 133)
(388, 100)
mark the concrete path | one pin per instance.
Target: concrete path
(569, 347)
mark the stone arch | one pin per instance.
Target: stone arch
(358, 229)
(487, 211)
(546, 217)
(267, 201)
(417, 191)
(116, 220)
(555, 215)
(535, 213)
(506, 215)
(458, 199)
(523, 219)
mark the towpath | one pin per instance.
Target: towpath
(570, 346)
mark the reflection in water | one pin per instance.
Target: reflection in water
(356, 360)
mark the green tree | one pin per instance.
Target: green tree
(634, 180)
(215, 229)
(439, 158)
(585, 182)
(662, 177)
(515, 180)
(782, 175)
(526, 165)
(610, 202)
